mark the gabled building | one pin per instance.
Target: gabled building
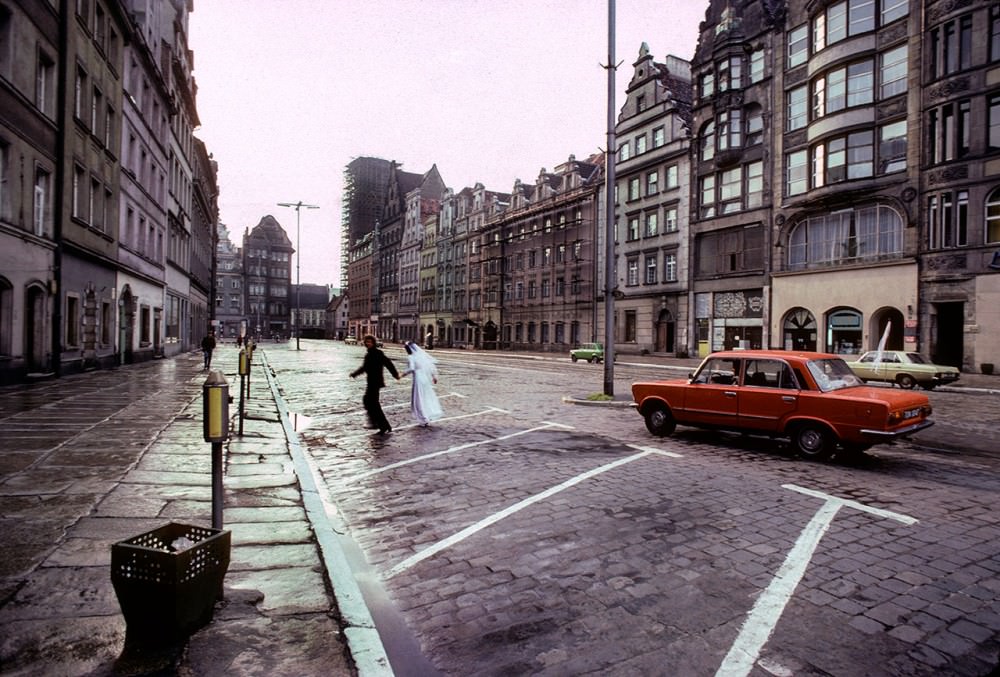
(267, 255)
(427, 297)
(484, 291)
(420, 206)
(309, 305)
(733, 115)
(652, 176)
(230, 315)
(538, 259)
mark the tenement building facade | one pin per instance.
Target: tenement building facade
(107, 203)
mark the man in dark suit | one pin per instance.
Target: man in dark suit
(375, 361)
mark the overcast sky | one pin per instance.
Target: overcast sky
(289, 91)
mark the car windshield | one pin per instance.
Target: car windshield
(917, 358)
(833, 374)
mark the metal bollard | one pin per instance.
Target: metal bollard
(215, 400)
(244, 375)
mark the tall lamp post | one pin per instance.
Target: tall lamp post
(298, 263)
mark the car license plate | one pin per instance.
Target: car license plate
(911, 413)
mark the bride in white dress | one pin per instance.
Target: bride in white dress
(424, 401)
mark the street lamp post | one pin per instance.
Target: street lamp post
(298, 264)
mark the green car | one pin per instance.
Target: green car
(592, 352)
(905, 369)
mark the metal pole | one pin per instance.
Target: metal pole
(609, 207)
(298, 264)
(217, 483)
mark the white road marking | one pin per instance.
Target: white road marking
(766, 611)
(460, 447)
(507, 512)
(488, 410)
(654, 450)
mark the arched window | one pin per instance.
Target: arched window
(799, 330)
(993, 216)
(861, 234)
(707, 137)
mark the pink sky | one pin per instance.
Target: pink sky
(289, 91)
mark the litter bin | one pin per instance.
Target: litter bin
(168, 580)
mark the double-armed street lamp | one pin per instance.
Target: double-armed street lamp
(298, 263)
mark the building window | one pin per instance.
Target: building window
(847, 157)
(948, 220)
(995, 33)
(756, 65)
(42, 210)
(671, 176)
(653, 182)
(894, 9)
(670, 220)
(546, 288)
(652, 226)
(951, 47)
(633, 228)
(796, 174)
(633, 188)
(72, 321)
(754, 125)
(45, 85)
(852, 85)
(948, 131)
(623, 152)
(708, 196)
(659, 137)
(797, 108)
(993, 216)
(755, 184)
(993, 123)
(892, 71)
(730, 73)
(733, 250)
(707, 140)
(892, 147)
(633, 273)
(731, 190)
(798, 45)
(640, 144)
(730, 130)
(651, 269)
(707, 84)
(631, 324)
(862, 234)
(670, 267)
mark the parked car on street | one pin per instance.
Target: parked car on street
(592, 352)
(905, 369)
(814, 399)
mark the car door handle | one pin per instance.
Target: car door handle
(787, 398)
(730, 393)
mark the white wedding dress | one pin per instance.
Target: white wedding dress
(424, 402)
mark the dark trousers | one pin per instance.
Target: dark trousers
(374, 408)
(208, 358)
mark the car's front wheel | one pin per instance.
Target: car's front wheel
(906, 382)
(573, 357)
(813, 441)
(659, 420)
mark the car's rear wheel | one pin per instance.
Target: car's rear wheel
(659, 420)
(905, 381)
(813, 441)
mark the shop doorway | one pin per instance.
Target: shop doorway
(665, 332)
(947, 346)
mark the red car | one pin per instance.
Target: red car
(814, 399)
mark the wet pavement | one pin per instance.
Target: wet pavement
(95, 458)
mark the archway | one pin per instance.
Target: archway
(880, 319)
(798, 331)
(490, 336)
(126, 325)
(665, 332)
(843, 331)
(35, 344)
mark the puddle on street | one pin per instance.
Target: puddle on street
(300, 422)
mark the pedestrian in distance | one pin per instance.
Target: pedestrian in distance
(375, 362)
(207, 346)
(424, 402)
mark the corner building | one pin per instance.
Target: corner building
(879, 198)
